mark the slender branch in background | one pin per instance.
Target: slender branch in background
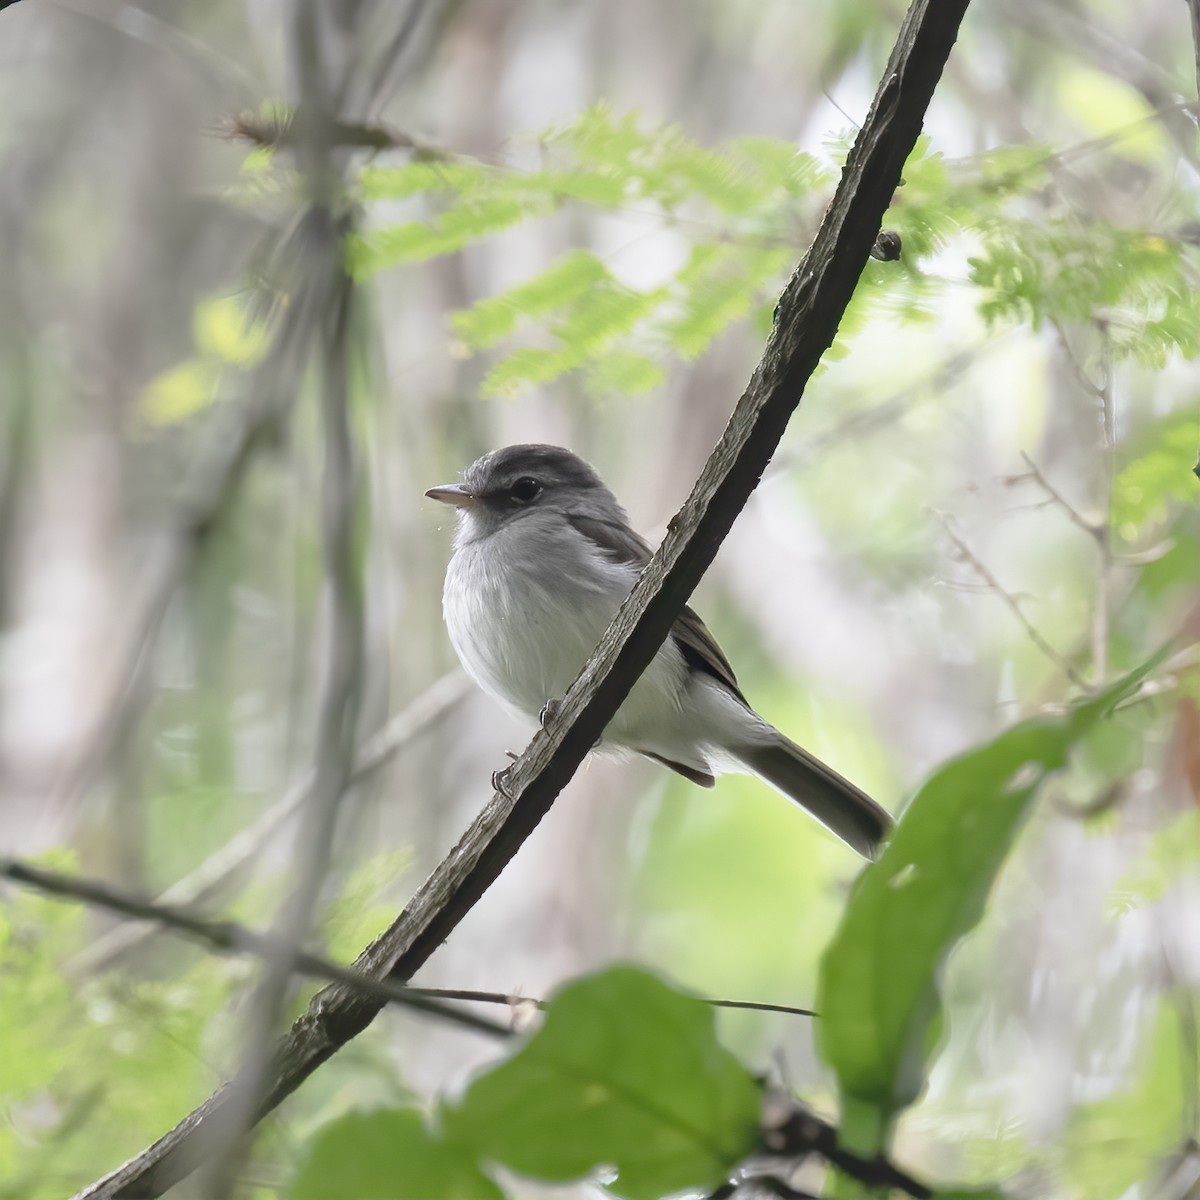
(1091, 528)
(806, 321)
(1189, 1041)
(1103, 47)
(1194, 14)
(335, 723)
(278, 131)
(374, 95)
(967, 554)
(244, 847)
(1108, 473)
(150, 29)
(15, 436)
(332, 291)
(867, 421)
(231, 938)
(207, 497)
(1085, 381)
(514, 999)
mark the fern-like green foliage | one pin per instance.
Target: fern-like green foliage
(744, 212)
(1064, 270)
(746, 209)
(1146, 486)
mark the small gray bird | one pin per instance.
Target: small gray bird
(543, 557)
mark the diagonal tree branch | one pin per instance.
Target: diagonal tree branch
(806, 322)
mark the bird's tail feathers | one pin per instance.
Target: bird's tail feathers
(841, 807)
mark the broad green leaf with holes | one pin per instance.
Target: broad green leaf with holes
(878, 986)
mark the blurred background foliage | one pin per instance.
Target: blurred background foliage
(572, 225)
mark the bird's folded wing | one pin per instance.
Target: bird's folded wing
(698, 646)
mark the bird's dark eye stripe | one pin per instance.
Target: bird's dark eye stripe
(525, 489)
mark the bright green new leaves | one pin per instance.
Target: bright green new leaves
(878, 988)
(1141, 1125)
(625, 1073)
(226, 339)
(475, 217)
(585, 311)
(746, 210)
(1146, 486)
(1065, 270)
(598, 160)
(566, 282)
(743, 213)
(388, 1155)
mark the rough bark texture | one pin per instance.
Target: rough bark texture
(806, 322)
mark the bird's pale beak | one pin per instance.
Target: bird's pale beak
(452, 493)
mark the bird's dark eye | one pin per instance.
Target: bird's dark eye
(525, 489)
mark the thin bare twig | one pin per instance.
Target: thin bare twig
(806, 322)
(1085, 381)
(512, 999)
(969, 556)
(231, 938)
(1091, 528)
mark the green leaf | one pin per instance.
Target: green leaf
(389, 1154)
(878, 986)
(625, 1073)
(970, 1194)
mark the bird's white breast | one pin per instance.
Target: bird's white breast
(525, 607)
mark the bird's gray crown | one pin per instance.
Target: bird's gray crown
(516, 482)
(494, 474)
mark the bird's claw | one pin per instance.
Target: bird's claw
(500, 782)
(549, 712)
